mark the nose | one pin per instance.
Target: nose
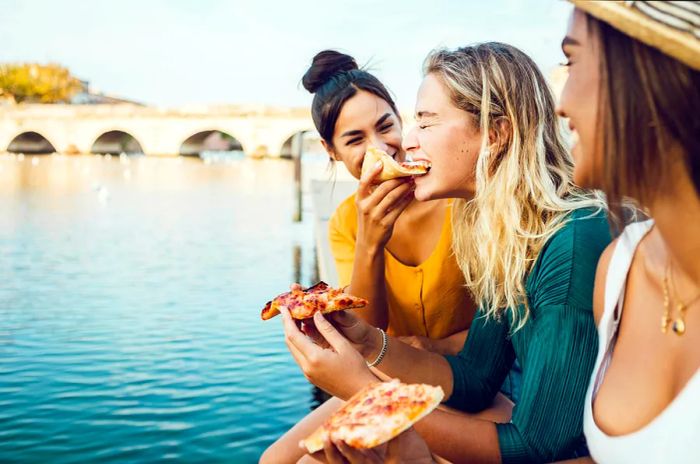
(377, 141)
(410, 141)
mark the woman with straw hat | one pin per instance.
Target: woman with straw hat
(632, 98)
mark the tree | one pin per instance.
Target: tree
(36, 83)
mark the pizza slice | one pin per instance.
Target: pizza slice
(302, 304)
(376, 414)
(392, 169)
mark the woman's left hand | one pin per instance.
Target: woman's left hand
(339, 369)
(408, 447)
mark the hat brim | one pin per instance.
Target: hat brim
(681, 45)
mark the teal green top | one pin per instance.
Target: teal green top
(556, 348)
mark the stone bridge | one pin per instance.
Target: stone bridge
(116, 128)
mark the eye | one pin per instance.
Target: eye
(354, 141)
(385, 128)
(423, 126)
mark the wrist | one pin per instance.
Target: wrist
(371, 250)
(372, 345)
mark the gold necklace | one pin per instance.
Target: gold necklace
(679, 324)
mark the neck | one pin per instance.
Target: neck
(416, 208)
(676, 214)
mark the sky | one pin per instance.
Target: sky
(173, 53)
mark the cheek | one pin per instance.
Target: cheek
(351, 157)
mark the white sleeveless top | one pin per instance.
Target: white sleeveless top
(674, 435)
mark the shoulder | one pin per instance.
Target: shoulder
(582, 228)
(344, 218)
(601, 275)
(580, 241)
(616, 259)
(565, 269)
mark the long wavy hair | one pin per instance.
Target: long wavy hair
(524, 188)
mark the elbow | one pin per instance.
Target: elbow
(470, 395)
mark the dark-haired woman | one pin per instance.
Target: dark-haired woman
(632, 98)
(388, 248)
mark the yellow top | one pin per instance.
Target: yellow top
(429, 299)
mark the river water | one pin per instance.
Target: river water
(130, 297)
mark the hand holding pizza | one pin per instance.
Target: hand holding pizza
(379, 206)
(408, 447)
(340, 370)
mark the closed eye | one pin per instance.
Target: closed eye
(386, 128)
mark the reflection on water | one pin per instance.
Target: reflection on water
(130, 294)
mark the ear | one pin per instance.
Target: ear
(329, 150)
(499, 134)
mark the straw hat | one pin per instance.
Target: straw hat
(672, 27)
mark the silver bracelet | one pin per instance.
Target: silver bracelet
(382, 352)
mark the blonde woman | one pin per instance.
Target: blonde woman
(527, 241)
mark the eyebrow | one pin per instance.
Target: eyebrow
(425, 114)
(352, 133)
(379, 122)
(568, 40)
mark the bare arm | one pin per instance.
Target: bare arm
(460, 438)
(378, 208)
(600, 278)
(368, 282)
(411, 365)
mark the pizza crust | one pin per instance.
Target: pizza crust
(359, 430)
(391, 168)
(302, 304)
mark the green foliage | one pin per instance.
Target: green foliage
(36, 83)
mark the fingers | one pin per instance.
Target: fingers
(332, 454)
(368, 177)
(296, 286)
(369, 200)
(354, 455)
(396, 196)
(299, 345)
(395, 210)
(344, 319)
(310, 330)
(331, 334)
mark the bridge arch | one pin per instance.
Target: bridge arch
(32, 143)
(285, 147)
(115, 142)
(209, 140)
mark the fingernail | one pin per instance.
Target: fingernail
(378, 164)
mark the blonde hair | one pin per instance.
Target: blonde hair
(524, 188)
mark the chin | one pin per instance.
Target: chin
(582, 177)
(422, 194)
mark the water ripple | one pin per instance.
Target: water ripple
(130, 330)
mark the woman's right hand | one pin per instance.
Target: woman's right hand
(378, 207)
(408, 447)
